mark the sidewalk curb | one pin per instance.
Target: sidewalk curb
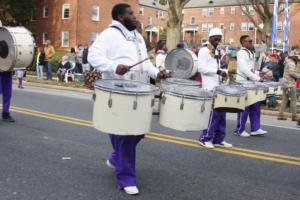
(87, 91)
(40, 85)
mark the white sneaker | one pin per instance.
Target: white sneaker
(243, 134)
(109, 164)
(258, 132)
(132, 190)
(224, 144)
(207, 144)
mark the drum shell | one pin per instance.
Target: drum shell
(254, 96)
(21, 48)
(189, 118)
(228, 103)
(121, 118)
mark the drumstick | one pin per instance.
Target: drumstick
(138, 63)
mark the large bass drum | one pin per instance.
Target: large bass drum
(182, 63)
(123, 107)
(16, 48)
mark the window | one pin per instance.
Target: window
(45, 37)
(211, 11)
(93, 36)
(209, 27)
(232, 10)
(244, 26)
(141, 10)
(231, 26)
(231, 40)
(157, 14)
(95, 13)
(66, 11)
(279, 26)
(65, 39)
(149, 20)
(250, 26)
(161, 15)
(243, 10)
(204, 12)
(192, 20)
(222, 11)
(45, 12)
(251, 10)
(221, 26)
(204, 27)
(33, 14)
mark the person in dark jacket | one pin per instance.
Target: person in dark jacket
(274, 67)
(40, 62)
(63, 66)
(224, 61)
(282, 57)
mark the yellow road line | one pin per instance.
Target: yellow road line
(234, 148)
(227, 151)
(167, 138)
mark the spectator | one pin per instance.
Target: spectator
(85, 64)
(49, 53)
(40, 62)
(274, 67)
(224, 61)
(289, 85)
(263, 61)
(161, 57)
(72, 56)
(20, 74)
(63, 66)
(281, 60)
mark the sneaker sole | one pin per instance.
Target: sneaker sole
(202, 144)
(222, 146)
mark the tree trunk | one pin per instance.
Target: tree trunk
(174, 23)
(267, 31)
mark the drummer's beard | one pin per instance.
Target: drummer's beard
(129, 24)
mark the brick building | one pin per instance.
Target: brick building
(201, 16)
(68, 23)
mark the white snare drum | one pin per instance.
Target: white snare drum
(123, 107)
(229, 98)
(255, 91)
(16, 48)
(183, 82)
(182, 63)
(275, 88)
(185, 108)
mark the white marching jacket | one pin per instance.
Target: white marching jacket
(113, 47)
(208, 67)
(245, 65)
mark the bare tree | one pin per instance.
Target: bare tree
(175, 21)
(264, 12)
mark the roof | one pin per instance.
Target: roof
(153, 4)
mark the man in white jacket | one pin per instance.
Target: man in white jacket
(246, 71)
(209, 67)
(114, 50)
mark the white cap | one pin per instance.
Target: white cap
(215, 31)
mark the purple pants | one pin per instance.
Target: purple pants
(254, 114)
(216, 130)
(6, 90)
(123, 158)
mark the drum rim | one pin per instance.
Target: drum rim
(185, 84)
(192, 67)
(244, 91)
(187, 96)
(125, 92)
(255, 86)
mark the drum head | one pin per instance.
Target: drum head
(187, 91)
(251, 85)
(16, 48)
(231, 90)
(125, 86)
(272, 83)
(180, 81)
(180, 63)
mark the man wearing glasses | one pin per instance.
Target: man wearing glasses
(246, 71)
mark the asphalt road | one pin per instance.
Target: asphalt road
(53, 153)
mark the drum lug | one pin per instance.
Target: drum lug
(182, 104)
(163, 99)
(238, 100)
(135, 104)
(110, 101)
(152, 102)
(203, 107)
(225, 99)
(94, 97)
(256, 92)
(246, 98)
